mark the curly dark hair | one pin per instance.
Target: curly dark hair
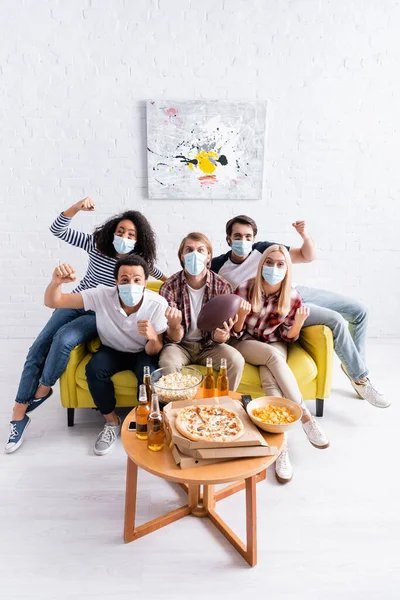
(131, 260)
(146, 240)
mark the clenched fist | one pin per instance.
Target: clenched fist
(244, 309)
(64, 274)
(146, 329)
(300, 227)
(86, 204)
(301, 315)
(174, 317)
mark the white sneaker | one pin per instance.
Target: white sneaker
(107, 437)
(369, 393)
(283, 466)
(315, 433)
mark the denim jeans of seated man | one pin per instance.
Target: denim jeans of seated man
(348, 320)
(49, 354)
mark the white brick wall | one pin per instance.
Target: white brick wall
(73, 80)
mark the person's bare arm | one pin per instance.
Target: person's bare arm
(175, 330)
(307, 252)
(154, 342)
(86, 204)
(301, 315)
(54, 298)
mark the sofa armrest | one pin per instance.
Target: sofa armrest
(317, 340)
(93, 346)
(68, 394)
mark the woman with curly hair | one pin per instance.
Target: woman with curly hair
(127, 233)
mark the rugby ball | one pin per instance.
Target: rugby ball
(217, 310)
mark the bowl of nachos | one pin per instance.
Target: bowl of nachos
(176, 383)
(274, 414)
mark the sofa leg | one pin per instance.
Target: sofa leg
(319, 404)
(70, 416)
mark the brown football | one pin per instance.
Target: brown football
(217, 310)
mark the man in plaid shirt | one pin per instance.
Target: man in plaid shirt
(186, 292)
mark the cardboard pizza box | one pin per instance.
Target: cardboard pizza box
(251, 435)
(227, 453)
(188, 462)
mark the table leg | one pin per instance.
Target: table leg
(248, 550)
(130, 500)
(209, 497)
(233, 488)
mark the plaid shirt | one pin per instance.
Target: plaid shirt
(268, 325)
(175, 291)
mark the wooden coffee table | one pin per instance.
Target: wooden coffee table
(244, 472)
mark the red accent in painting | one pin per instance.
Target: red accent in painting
(207, 180)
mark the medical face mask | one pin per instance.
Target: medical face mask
(273, 275)
(123, 245)
(130, 293)
(194, 262)
(241, 247)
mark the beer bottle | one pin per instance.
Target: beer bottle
(155, 426)
(142, 414)
(209, 381)
(147, 383)
(222, 381)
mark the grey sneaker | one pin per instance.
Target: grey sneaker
(16, 436)
(107, 437)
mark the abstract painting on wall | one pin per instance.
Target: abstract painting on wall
(205, 149)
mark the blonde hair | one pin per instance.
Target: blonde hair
(257, 292)
(196, 237)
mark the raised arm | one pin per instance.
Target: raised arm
(53, 298)
(307, 252)
(61, 226)
(158, 274)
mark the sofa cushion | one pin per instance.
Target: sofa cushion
(301, 363)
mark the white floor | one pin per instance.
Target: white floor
(333, 531)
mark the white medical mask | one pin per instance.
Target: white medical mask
(130, 293)
(123, 245)
(194, 262)
(241, 247)
(273, 275)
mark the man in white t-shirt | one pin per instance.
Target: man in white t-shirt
(130, 322)
(346, 317)
(186, 292)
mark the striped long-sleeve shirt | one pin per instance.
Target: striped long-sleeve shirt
(100, 270)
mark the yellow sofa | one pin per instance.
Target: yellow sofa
(310, 359)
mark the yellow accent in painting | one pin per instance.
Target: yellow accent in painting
(204, 161)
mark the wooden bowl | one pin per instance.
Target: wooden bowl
(276, 401)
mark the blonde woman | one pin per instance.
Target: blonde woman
(271, 316)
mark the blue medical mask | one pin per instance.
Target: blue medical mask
(241, 247)
(123, 245)
(130, 293)
(194, 262)
(273, 275)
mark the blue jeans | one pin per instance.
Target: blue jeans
(348, 320)
(49, 354)
(107, 362)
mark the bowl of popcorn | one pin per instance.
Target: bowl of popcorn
(176, 383)
(274, 414)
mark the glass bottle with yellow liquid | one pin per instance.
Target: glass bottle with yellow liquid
(147, 383)
(209, 381)
(142, 414)
(222, 381)
(155, 426)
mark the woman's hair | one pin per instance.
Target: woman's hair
(196, 237)
(257, 294)
(145, 243)
(131, 260)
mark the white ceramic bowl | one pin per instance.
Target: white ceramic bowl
(276, 401)
(174, 394)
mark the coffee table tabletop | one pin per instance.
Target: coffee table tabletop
(162, 464)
